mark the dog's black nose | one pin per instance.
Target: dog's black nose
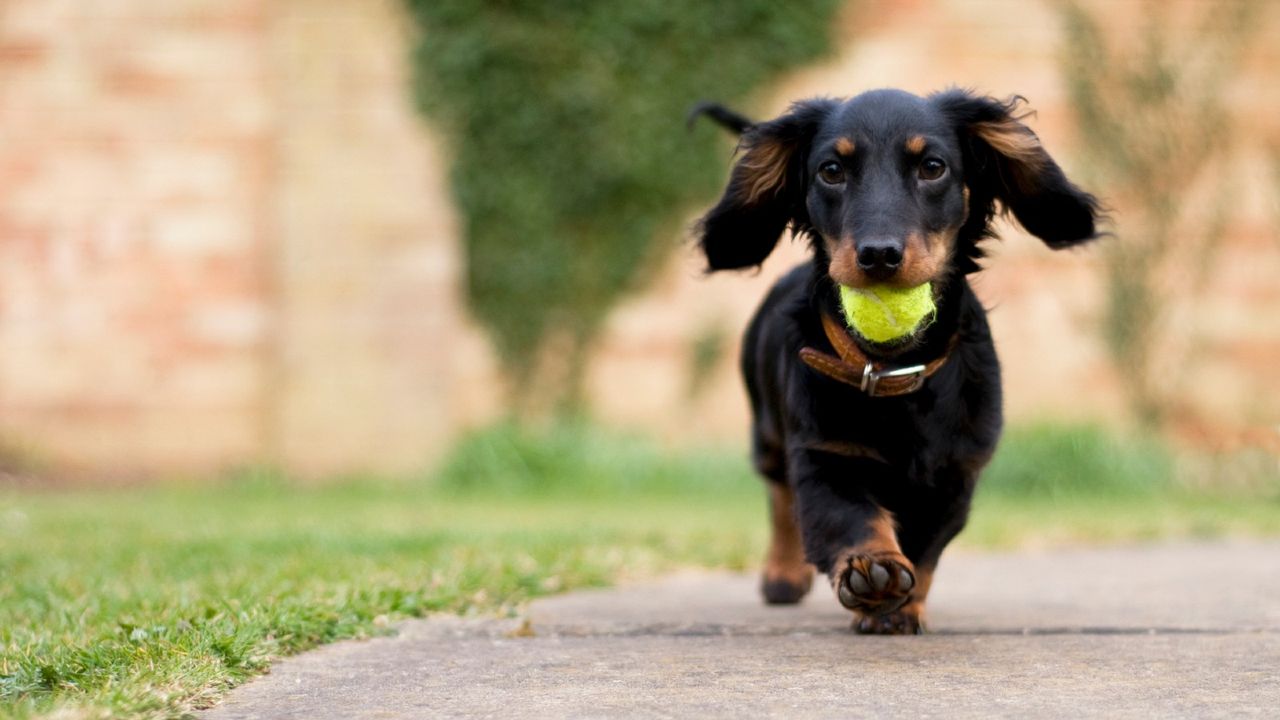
(879, 257)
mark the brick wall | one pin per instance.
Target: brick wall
(134, 313)
(224, 238)
(364, 247)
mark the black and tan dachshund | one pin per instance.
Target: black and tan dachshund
(871, 451)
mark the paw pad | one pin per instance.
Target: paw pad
(874, 586)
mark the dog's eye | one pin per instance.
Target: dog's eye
(831, 173)
(932, 169)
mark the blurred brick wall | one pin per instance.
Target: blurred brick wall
(134, 303)
(365, 250)
(224, 238)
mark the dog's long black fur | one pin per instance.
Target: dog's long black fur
(869, 490)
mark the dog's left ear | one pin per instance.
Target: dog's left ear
(1004, 160)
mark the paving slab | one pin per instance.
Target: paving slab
(1174, 630)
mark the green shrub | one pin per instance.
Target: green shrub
(1049, 461)
(1062, 461)
(570, 156)
(580, 459)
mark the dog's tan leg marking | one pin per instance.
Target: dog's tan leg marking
(787, 576)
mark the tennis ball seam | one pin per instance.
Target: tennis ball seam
(889, 314)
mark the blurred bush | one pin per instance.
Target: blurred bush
(571, 458)
(580, 459)
(1077, 461)
(566, 129)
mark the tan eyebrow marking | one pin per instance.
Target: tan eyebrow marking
(915, 144)
(845, 146)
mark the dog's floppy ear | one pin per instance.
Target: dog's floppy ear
(766, 189)
(1004, 160)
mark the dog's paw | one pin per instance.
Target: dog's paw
(783, 590)
(873, 584)
(905, 621)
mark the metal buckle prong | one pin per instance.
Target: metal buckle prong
(871, 377)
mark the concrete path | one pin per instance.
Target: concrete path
(1164, 631)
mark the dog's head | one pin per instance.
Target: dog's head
(892, 188)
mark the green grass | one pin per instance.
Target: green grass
(152, 601)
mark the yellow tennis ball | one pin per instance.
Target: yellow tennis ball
(882, 314)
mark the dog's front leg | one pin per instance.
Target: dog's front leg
(852, 539)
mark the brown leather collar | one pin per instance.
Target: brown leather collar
(852, 367)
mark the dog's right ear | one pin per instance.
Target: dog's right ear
(1005, 160)
(766, 189)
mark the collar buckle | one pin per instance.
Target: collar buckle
(871, 378)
